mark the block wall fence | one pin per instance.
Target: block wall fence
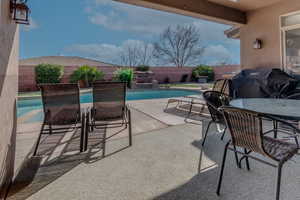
(27, 74)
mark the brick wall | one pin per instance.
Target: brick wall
(174, 74)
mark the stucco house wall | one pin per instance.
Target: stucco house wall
(9, 49)
(264, 24)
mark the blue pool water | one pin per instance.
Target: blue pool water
(28, 105)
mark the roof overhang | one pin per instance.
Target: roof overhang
(233, 32)
(195, 8)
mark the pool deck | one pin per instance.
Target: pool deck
(166, 162)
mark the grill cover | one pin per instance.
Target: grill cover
(263, 83)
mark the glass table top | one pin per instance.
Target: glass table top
(286, 108)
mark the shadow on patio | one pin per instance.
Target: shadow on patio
(59, 154)
(198, 113)
(163, 164)
(259, 183)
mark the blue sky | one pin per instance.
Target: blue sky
(100, 29)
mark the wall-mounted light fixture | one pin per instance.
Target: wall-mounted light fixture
(19, 11)
(257, 44)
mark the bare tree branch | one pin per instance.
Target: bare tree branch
(180, 46)
(134, 55)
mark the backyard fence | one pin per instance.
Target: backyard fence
(161, 74)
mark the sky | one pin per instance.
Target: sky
(101, 29)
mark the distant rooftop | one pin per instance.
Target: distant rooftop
(62, 60)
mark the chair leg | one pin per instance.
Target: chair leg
(223, 135)
(50, 129)
(82, 130)
(130, 128)
(247, 160)
(279, 180)
(190, 111)
(92, 126)
(222, 168)
(104, 144)
(275, 127)
(87, 129)
(38, 140)
(206, 132)
(167, 106)
(296, 139)
(236, 158)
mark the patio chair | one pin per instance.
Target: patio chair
(220, 85)
(61, 106)
(246, 129)
(214, 100)
(109, 109)
(281, 127)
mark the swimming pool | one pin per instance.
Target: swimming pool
(28, 105)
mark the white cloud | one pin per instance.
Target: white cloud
(214, 54)
(123, 17)
(146, 22)
(104, 52)
(217, 54)
(33, 25)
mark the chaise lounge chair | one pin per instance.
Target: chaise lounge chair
(220, 85)
(61, 106)
(109, 110)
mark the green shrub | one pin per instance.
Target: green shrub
(203, 70)
(47, 73)
(87, 74)
(142, 68)
(124, 74)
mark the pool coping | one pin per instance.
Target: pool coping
(83, 91)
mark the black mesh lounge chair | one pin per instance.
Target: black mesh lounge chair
(246, 129)
(214, 100)
(61, 105)
(109, 109)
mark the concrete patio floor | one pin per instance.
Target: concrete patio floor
(166, 162)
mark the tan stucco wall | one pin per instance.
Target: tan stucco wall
(9, 49)
(264, 24)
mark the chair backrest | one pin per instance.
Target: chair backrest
(222, 85)
(245, 128)
(61, 103)
(219, 85)
(214, 100)
(109, 100)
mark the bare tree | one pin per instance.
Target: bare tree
(179, 46)
(135, 54)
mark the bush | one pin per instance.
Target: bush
(184, 78)
(125, 75)
(86, 74)
(203, 70)
(47, 73)
(167, 80)
(142, 68)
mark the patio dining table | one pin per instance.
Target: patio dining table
(287, 109)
